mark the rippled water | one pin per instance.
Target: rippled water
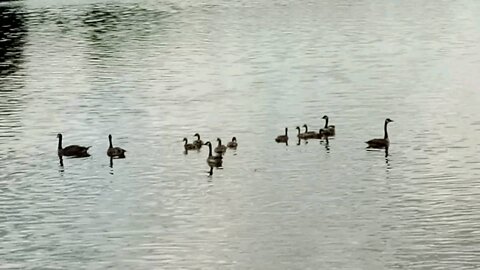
(153, 72)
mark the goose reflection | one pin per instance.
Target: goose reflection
(60, 158)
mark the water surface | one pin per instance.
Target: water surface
(153, 72)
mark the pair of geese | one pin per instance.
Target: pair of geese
(212, 160)
(82, 151)
(330, 131)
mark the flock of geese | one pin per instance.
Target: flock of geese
(215, 160)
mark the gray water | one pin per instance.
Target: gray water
(152, 72)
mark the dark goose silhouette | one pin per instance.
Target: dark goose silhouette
(328, 129)
(213, 161)
(71, 150)
(220, 149)
(189, 146)
(282, 138)
(115, 152)
(309, 134)
(198, 142)
(233, 143)
(381, 143)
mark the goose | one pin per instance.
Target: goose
(309, 134)
(71, 150)
(220, 149)
(116, 152)
(282, 138)
(211, 159)
(329, 129)
(381, 143)
(198, 142)
(189, 146)
(300, 135)
(233, 143)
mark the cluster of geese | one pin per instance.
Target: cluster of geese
(329, 130)
(217, 159)
(212, 160)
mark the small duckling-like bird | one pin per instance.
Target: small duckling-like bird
(328, 129)
(189, 146)
(214, 161)
(381, 143)
(71, 150)
(220, 149)
(233, 143)
(115, 152)
(282, 138)
(198, 143)
(309, 134)
(300, 135)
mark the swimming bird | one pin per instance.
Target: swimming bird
(220, 149)
(282, 138)
(189, 146)
(381, 143)
(300, 135)
(211, 159)
(71, 150)
(115, 152)
(328, 129)
(233, 143)
(309, 134)
(197, 142)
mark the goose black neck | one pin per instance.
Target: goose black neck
(198, 137)
(385, 130)
(326, 122)
(59, 142)
(286, 131)
(306, 128)
(298, 129)
(110, 140)
(219, 142)
(209, 149)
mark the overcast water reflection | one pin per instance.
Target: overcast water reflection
(153, 72)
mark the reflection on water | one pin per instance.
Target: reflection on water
(12, 38)
(154, 71)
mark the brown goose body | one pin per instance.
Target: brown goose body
(233, 143)
(220, 149)
(115, 152)
(299, 134)
(329, 130)
(309, 134)
(282, 138)
(189, 146)
(71, 150)
(198, 142)
(381, 143)
(214, 161)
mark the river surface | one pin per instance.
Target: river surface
(152, 72)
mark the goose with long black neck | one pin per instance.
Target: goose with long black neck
(189, 146)
(212, 160)
(328, 129)
(381, 143)
(198, 142)
(71, 150)
(309, 134)
(220, 149)
(114, 152)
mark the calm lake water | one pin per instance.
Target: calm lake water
(152, 72)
